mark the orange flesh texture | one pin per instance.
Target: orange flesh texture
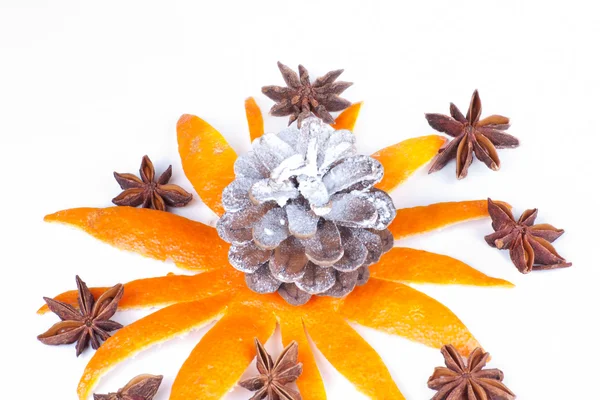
(155, 234)
(403, 264)
(402, 159)
(223, 354)
(157, 327)
(412, 221)
(165, 290)
(310, 382)
(255, 119)
(207, 159)
(348, 352)
(401, 310)
(347, 118)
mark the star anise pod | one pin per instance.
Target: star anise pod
(460, 381)
(529, 244)
(471, 135)
(148, 193)
(142, 387)
(271, 382)
(301, 98)
(90, 323)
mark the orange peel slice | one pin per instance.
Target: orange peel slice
(415, 220)
(207, 159)
(347, 118)
(158, 327)
(402, 264)
(254, 116)
(151, 233)
(223, 354)
(165, 290)
(310, 383)
(401, 310)
(402, 159)
(351, 355)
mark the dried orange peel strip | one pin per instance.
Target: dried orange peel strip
(347, 119)
(350, 354)
(152, 233)
(402, 264)
(412, 221)
(401, 310)
(255, 119)
(207, 159)
(310, 381)
(402, 159)
(223, 354)
(158, 327)
(165, 290)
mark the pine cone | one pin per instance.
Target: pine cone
(302, 215)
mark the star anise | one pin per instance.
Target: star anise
(529, 244)
(90, 323)
(148, 193)
(142, 387)
(271, 382)
(301, 97)
(460, 381)
(471, 135)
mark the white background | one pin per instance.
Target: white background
(88, 88)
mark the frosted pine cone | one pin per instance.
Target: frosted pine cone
(302, 215)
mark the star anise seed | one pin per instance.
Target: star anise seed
(148, 193)
(301, 97)
(273, 377)
(471, 135)
(460, 381)
(142, 387)
(529, 244)
(90, 323)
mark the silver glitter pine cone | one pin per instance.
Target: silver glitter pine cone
(302, 215)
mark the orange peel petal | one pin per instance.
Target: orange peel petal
(347, 118)
(255, 119)
(151, 233)
(402, 264)
(415, 220)
(310, 381)
(158, 327)
(402, 159)
(207, 159)
(351, 355)
(223, 354)
(165, 290)
(401, 310)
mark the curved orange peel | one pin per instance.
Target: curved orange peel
(155, 234)
(254, 116)
(402, 264)
(223, 354)
(351, 355)
(165, 290)
(401, 310)
(347, 118)
(157, 327)
(415, 220)
(207, 159)
(402, 159)
(228, 347)
(310, 383)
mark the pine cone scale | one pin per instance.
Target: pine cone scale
(288, 261)
(325, 247)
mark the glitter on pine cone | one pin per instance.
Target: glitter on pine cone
(302, 215)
